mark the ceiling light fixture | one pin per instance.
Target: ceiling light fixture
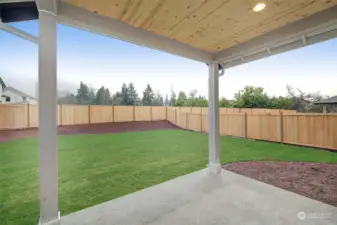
(259, 7)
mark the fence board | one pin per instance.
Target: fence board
(222, 111)
(232, 124)
(143, 113)
(204, 124)
(311, 130)
(101, 114)
(158, 113)
(123, 113)
(75, 114)
(12, 117)
(264, 127)
(171, 114)
(194, 121)
(181, 120)
(185, 109)
(196, 110)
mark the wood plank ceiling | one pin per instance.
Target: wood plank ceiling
(210, 25)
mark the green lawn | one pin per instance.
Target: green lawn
(97, 168)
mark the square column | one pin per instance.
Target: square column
(47, 103)
(213, 119)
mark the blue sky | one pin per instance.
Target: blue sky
(99, 60)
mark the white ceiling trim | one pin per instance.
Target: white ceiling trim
(311, 30)
(18, 32)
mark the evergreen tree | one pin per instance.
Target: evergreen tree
(92, 96)
(133, 98)
(125, 95)
(83, 94)
(100, 96)
(107, 97)
(148, 96)
(166, 103)
(158, 99)
(173, 98)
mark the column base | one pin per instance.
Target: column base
(53, 222)
(214, 168)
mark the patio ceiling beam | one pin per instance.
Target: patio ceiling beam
(18, 32)
(77, 17)
(311, 30)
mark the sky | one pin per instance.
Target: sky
(99, 60)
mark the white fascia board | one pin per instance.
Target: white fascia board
(313, 29)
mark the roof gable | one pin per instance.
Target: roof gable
(16, 91)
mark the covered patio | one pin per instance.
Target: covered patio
(221, 34)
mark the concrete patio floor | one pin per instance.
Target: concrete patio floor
(200, 198)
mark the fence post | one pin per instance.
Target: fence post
(186, 117)
(201, 121)
(28, 115)
(246, 126)
(113, 113)
(151, 113)
(281, 126)
(61, 115)
(166, 108)
(134, 113)
(175, 115)
(89, 106)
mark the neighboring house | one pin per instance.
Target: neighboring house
(10, 95)
(329, 104)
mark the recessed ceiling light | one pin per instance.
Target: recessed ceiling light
(259, 7)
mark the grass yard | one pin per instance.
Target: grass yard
(97, 168)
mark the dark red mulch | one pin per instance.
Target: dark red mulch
(314, 180)
(92, 129)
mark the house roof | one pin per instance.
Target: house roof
(332, 100)
(14, 90)
(2, 83)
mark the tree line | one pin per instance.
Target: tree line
(248, 97)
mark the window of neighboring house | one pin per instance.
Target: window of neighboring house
(24, 98)
(8, 99)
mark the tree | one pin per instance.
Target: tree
(148, 96)
(173, 99)
(225, 103)
(251, 97)
(107, 97)
(167, 102)
(92, 96)
(181, 99)
(303, 102)
(68, 98)
(125, 95)
(158, 99)
(83, 94)
(280, 103)
(133, 98)
(100, 96)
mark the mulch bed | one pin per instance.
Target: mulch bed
(7, 135)
(314, 180)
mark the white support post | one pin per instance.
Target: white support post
(213, 118)
(47, 87)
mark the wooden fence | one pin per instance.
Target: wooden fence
(284, 126)
(315, 130)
